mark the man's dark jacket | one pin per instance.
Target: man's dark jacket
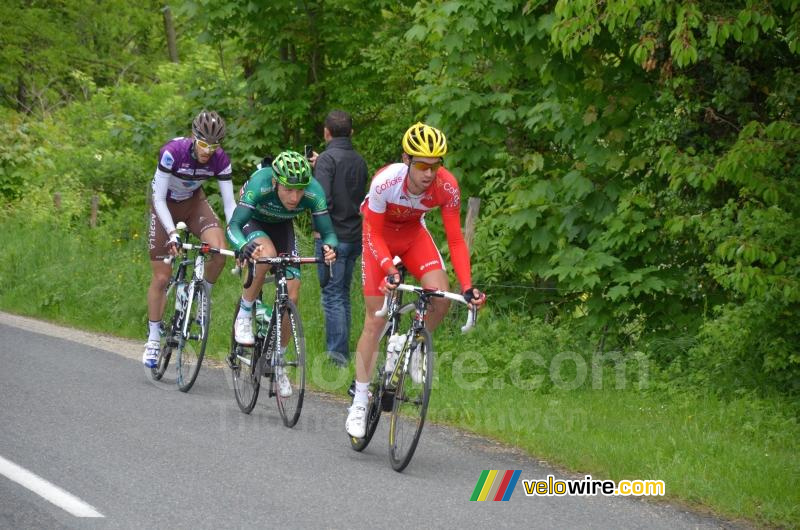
(343, 175)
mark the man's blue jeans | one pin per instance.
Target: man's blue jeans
(336, 299)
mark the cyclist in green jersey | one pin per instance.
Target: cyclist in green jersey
(261, 226)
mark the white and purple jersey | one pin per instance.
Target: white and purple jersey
(179, 175)
(185, 172)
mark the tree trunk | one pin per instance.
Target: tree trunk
(169, 29)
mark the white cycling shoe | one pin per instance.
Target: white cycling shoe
(150, 355)
(356, 424)
(243, 330)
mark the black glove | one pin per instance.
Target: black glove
(469, 295)
(246, 252)
(393, 279)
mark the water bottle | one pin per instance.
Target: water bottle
(180, 295)
(263, 316)
(393, 347)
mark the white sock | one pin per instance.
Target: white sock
(245, 309)
(362, 393)
(155, 330)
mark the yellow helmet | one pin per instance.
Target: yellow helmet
(425, 141)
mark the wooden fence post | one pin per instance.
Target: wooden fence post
(93, 217)
(473, 207)
(57, 201)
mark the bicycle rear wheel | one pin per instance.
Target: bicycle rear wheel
(376, 390)
(410, 402)
(192, 347)
(243, 360)
(169, 337)
(290, 368)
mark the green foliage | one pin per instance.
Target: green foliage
(659, 198)
(56, 52)
(291, 63)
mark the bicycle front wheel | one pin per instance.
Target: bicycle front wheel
(192, 346)
(411, 400)
(170, 335)
(246, 377)
(289, 376)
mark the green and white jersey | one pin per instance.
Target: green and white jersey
(258, 199)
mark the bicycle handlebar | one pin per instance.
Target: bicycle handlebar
(471, 314)
(275, 260)
(287, 260)
(203, 248)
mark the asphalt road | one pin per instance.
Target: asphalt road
(78, 411)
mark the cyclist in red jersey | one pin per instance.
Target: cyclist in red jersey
(399, 197)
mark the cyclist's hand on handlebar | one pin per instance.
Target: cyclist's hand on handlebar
(329, 254)
(247, 252)
(474, 297)
(174, 244)
(391, 281)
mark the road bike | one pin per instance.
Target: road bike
(283, 366)
(188, 314)
(402, 386)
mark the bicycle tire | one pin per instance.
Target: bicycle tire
(192, 347)
(376, 389)
(410, 403)
(168, 337)
(293, 365)
(243, 361)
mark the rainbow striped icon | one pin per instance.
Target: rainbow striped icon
(495, 485)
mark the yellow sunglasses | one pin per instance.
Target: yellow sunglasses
(205, 146)
(423, 166)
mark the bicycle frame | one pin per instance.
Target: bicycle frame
(279, 265)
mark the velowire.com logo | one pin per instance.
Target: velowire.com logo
(495, 485)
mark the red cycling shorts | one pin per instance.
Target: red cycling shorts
(414, 246)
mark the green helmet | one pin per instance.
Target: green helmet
(292, 169)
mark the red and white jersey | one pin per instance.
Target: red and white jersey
(390, 206)
(388, 193)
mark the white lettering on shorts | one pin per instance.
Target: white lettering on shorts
(429, 264)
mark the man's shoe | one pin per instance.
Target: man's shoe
(284, 385)
(356, 424)
(150, 355)
(243, 330)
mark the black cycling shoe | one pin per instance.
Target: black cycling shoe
(352, 390)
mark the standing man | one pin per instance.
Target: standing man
(342, 172)
(183, 165)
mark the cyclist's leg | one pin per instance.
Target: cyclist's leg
(268, 250)
(204, 224)
(426, 264)
(436, 279)
(156, 292)
(158, 241)
(156, 295)
(367, 345)
(254, 231)
(285, 242)
(371, 278)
